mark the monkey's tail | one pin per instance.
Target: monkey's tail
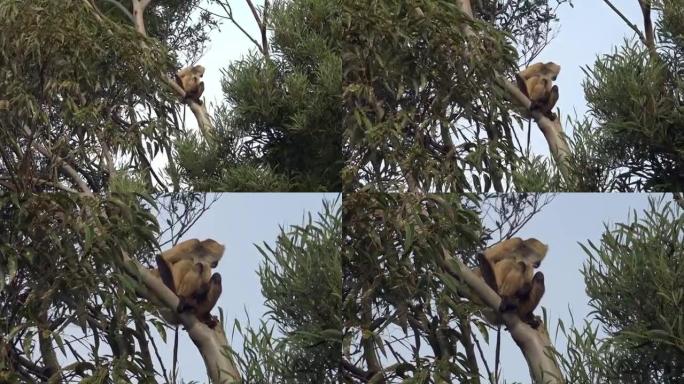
(175, 356)
(498, 354)
(529, 134)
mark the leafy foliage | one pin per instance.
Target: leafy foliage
(286, 117)
(57, 270)
(217, 167)
(634, 279)
(301, 281)
(638, 103)
(424, 109)
(69, 78)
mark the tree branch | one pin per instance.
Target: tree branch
(229, 11)
(533, 343)
(648, 26)
(211, 343)
(139, 7)
(67, 170)
(626, 20)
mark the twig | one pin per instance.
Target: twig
(66, 168)
(229, 11)
(122, 9)
(629, 23)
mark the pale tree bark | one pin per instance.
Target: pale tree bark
(552, 130)
(534, 344)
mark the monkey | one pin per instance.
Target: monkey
(520, 290)
(530, 250)
(197, 289)
(190, 79)
(507, 268)
(536, 82)
(208, 251)
(186, 270)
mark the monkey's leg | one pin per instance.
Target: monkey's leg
(551, 102)
(522, 85)
(487, 271)
(529, 303)
(165, 273)
(511, 303)
(186, 304)
(209, 300)
(508, 303)
(532, 320)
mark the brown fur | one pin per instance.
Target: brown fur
(536, 82)
(508, 268)
(186, 270)
(190, 79)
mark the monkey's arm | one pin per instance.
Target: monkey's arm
(515, 282)
(188, 277)
(207, 302)
(538, 92)
(527, 306)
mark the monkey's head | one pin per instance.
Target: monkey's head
(534, 250)
(198, 70)
(212, 251)
(553, 69)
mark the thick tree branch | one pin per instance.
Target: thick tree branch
(139, 7)
(261, 22)
(212, 343)
(535, 344)
(648, 26)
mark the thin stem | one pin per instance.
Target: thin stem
(629, 23)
